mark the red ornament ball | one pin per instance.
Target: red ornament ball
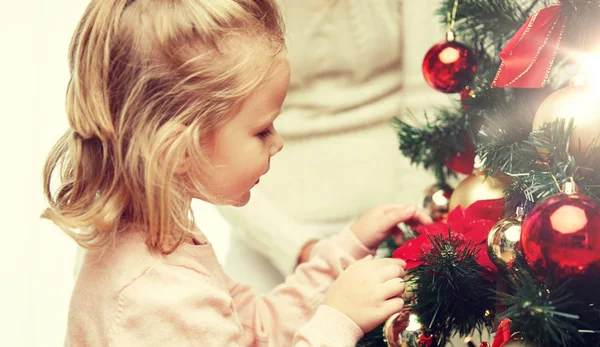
(463, 162)
(449, 66)
(561, 236)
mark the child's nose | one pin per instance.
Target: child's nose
(277, 144)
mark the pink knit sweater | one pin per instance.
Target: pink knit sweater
(127, 296)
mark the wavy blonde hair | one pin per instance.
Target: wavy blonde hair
(151, 80)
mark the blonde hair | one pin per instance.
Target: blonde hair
(150, 81)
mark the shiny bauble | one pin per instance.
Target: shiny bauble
(579, 103)
(437, 200)
(411, 338)
(477, 187)
(503, 240)
(393, 328)
(449, 66)
(561, 237)
(463, 161)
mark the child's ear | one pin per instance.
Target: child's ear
(184, 164)
(174, 137)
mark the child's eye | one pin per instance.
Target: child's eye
(265, 133)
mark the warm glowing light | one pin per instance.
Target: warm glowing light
(513, 233)
(438, 198)
(580, 105)
(568, 219)
(449, 55)
(413, 323)
(590, 71)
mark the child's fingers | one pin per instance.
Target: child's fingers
(419, 218)
(363, 261)
(392, 288)
(392, 206)
(393, 305)
(399, 214)
(379, 263)
(422, 217)
(391, 271)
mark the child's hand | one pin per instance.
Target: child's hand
(379, 223)
(368, 291)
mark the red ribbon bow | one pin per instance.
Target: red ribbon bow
(528, 57)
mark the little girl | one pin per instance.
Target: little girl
(171, 100)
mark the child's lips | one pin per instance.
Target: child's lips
(258, 180)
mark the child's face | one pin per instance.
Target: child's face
(241, 150)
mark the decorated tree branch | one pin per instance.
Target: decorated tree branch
(515, 247)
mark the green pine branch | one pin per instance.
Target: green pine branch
(536, 176)
(451, 296)
(540, 314)
(551, 312)
(581, 32)
(430, 144)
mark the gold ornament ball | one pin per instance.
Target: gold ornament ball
(580, 103)
(393, 328)
(411, 338)
(477, 187)
(503, 239)
(437, 200)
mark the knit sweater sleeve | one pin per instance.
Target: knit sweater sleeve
(178, 305)
(270, 231)
(284, 315)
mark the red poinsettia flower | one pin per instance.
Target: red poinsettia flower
(503, 333)
(472, 224)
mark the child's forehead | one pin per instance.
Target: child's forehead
(276, 73)
(263, 104)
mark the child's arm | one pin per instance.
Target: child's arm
(281, 314)
(273, 320)
(186, 305)
(183, 304)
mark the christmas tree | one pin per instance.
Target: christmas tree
(515, 248)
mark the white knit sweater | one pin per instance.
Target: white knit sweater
(341, 155)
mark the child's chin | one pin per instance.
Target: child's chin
(242, 200)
